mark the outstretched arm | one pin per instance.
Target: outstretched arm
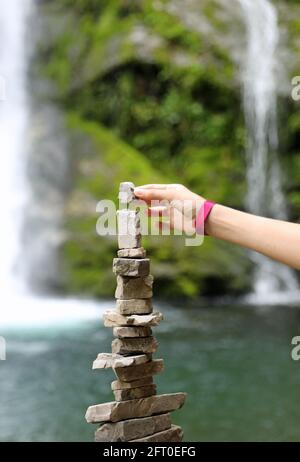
(276, 239)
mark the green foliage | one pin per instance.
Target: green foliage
(101, 161)
(160, 111)
(149, 99)
(170, 28)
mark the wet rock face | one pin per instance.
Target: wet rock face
(138, 413)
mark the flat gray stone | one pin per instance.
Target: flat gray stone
(128, 288)
(144, 407)
(134, 346)
(114, 319)
(129, 229)
(111, 360)
(135, 393)
(140, 252)
(129, 374)
(134, 428)
(132, 267)
(126, 185)
(172, 435)
(129, 241)
(126, 192)
(135, 306)
(128, 222)
(132, 332)
(119, 385)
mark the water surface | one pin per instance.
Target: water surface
(234, 363)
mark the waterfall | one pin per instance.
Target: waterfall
(13, 126)
(265, 195)
(19, 203)
(19, 306)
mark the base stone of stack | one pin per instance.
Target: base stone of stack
(127, 346)
(119, 385)
(131, 267)
(128, 288)
(132, 332)
(127, 430)
(135, 393)
(140, 252)
(144, 407)
(129, 374)
(114, 319)
(111, 360)
(172, 435)
(134, 306)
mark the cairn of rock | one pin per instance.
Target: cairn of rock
(138, 414)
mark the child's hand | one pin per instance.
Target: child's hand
(174, 201)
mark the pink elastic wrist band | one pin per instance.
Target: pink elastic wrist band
(203, 215)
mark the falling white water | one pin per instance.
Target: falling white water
(13, 124)
(265, 192)
(18, 306)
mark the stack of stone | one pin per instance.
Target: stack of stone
(138, 413)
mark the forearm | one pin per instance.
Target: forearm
(276, 239)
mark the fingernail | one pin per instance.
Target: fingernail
(138, 191)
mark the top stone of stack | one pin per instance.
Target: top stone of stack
(126, 192)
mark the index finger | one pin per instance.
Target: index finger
(150, 194)
(153, 186)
